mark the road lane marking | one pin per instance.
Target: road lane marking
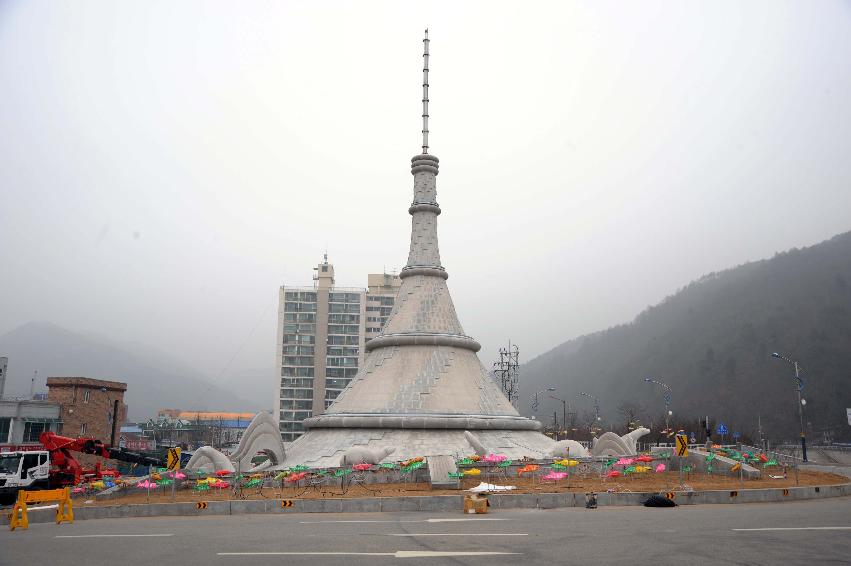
(399, 521)
(456, 534)
(464, 519)
(798, 529)
(113, 536)
(397, 554)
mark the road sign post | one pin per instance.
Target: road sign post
(682, 454)
(173, 464)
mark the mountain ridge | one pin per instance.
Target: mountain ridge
(152, 384)
(711, 341)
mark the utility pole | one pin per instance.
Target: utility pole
(801, 402)
(507, 372)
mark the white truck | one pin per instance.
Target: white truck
(23, 470)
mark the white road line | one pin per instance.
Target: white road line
(798, 529)
(397, 554)
(457, 534)
(399, 521)
(464, 519)
(114, 536)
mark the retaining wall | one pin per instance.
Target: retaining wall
(433, 503)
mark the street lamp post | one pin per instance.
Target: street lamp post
(799, 386)
(563, 413)
(596, 407)
(666, 390)
(533, 400)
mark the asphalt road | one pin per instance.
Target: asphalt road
(806, 532)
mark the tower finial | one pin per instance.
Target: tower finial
(425, 92)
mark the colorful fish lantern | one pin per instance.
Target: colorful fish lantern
(475, 458)
(660, 468)
(769, 463)
(472, 472)
(407, 463)
(624, 462)
(387, 465)
(558, 467)
(456, 475)
(613, 474)
(78, 490)
(464, 462)
(736, 467)
(560, 462)
(554, 476)
(223, 473)
(299, 468)
(202, 487)
(642, 469)
(629, 470)
(710, 457)
(361, 467)
(610, 463)
(494, 458)
(253, 482)
(528, 469)
(644, 458)
(299, 476)
(763, 458)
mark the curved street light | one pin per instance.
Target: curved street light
(533, 399)
(666, 390)
(596, 407)
(800, 385)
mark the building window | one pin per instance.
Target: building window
(83, 428)
(5, 425)
(33, 430)
(86, 396)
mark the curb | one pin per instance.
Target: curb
(434, 503)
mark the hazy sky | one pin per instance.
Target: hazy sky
(165, 166)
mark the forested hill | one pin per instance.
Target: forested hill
(712, 343)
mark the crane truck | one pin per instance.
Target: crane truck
(55, 465)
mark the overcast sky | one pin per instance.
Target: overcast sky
(165, 166)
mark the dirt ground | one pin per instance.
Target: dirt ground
(667, 481)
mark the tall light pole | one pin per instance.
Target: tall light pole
(563, 413)
(533, 400)
(596, 407)
(666, 390)
(799, 386)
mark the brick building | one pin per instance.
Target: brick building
(87, 406)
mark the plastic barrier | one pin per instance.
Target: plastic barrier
(64, 512)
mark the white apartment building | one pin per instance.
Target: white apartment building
(321, 335)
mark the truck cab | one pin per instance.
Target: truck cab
(23, 470)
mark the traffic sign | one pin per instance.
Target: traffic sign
(722, 430)
(682, 445)
(693, 439)
(173, 462)
(737, 434)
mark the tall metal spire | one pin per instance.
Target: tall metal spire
(425, 92)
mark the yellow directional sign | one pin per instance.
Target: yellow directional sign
(682, 445)
(173, 462)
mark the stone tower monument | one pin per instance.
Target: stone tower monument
(422, 386)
